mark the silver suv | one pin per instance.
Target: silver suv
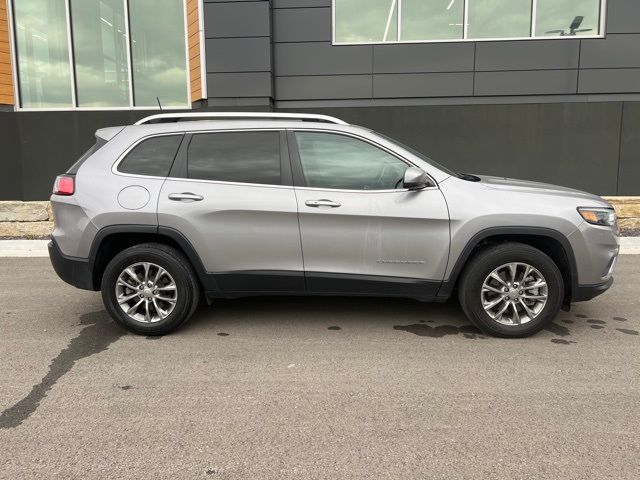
(176, 208)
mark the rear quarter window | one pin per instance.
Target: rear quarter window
(152, 157)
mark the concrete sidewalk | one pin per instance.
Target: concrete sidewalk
(38, 248)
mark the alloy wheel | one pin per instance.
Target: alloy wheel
(514, 293)
(146, 292)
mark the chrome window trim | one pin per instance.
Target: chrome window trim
(122, 156)
(220, 182)
(374, 144)
(601, 29)
(115, 171)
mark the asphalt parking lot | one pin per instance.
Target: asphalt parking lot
(303, 388)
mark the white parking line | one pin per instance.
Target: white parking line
(38, 248)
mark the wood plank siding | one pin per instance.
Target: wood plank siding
(6, 73)
(193, 33)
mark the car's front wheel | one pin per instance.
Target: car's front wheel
(511, 290)
(150, 289)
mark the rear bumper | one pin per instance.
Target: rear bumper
(586, 292)
(74, 271)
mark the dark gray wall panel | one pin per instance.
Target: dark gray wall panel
(249, 84)
(50, 142)
(527, 55)
(300, 3)
(321, 59)
(302, 25)
(572, 144)
(618, 80)
(322, 88)
(10, 163)
(623, 16)
(534, 82)
(237, 19)
(629, 177)
(423, 57)
(238, 54)
(423, 85)
(575, 145)
(615, 51)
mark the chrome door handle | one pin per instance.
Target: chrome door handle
(185, 196)
(322, 203)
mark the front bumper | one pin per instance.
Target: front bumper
(584, 293)
(74, 271)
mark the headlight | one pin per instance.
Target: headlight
(599, 216)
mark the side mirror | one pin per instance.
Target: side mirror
(415, 179)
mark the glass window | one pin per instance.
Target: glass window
(499, 18)
(244, 157)
(567, 17)
(158, 52)
(43, 53)
(100, 53)
(338, 161)
(152, 157)
(366, 21)
(432, 19)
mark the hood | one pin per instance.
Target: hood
(524, 186)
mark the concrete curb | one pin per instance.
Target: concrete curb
(38, 248)
(630, 245)
(24, 248)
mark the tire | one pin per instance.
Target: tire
(166, 305)
(534, 314)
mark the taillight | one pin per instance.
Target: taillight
(64, 185)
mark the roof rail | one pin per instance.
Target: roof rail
(176, 117)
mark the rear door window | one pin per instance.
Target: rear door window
(242, 157)
(152, 157)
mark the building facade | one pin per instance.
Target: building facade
(545, 90)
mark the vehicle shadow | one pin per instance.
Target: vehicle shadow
(424, 319)
(338, 313)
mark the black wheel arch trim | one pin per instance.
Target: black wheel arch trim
(207, 281)
(447, 287)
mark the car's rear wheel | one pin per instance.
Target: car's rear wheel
(511, 290)
(150, 289)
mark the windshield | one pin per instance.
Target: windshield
(421, 156)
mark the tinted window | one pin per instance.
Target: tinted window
(338, 161)
(567, 17)
(366, 20)
(43, 67)
(245, 157)
(158, 52)
(152, 157)
(432, 19)
(499, 18)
